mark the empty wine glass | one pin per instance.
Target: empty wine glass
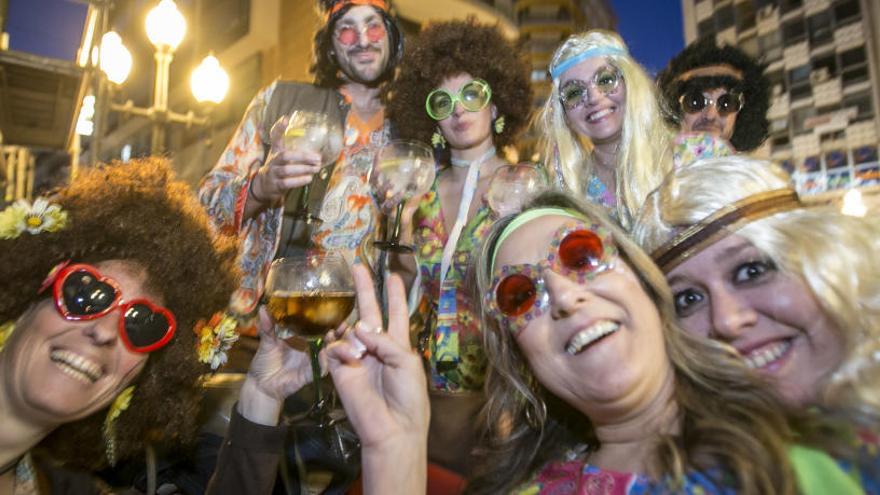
(309, 296)
(313, 131)
(512, 186)
(402, 170)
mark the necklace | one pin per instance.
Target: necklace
(458, 162)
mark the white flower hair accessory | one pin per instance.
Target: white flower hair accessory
(22, 216)
(215, 338)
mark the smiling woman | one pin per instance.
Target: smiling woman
(591, 383)
(794, 289)
(98, 355)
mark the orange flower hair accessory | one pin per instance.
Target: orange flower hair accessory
(215, 338)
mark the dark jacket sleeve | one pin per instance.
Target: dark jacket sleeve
(248, 459)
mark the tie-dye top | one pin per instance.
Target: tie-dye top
(454, 352)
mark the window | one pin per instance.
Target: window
(799, 116)
(770, 45)
(780, 141)
(846, 12)
(799, 74)
(863, 103)
(801, 91)
(855, 76)
(789, 5)
(706, 27)
(777, 78)
(851, 58)
(819, 27)
(745, 16)
(828, 63)
(229, 20)
(724, 17)
(793, 32)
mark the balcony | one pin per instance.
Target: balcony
(827, 93)
(850, 36)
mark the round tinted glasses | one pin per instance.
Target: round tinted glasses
(574, 92)
(725, 104)
(473, 96)
(82, 293)
(350, 34)
(578, 251)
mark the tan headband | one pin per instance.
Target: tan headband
(711, 71)
(722, 222)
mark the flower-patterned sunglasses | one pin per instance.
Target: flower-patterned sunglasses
(82, 293)
(518, 294)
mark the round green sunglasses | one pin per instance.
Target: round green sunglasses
(473, 96)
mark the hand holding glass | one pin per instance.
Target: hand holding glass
(308, 297)
(315, 132)
(402, 170)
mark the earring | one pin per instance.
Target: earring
(499, 125)
(437, 139)
(120, 404)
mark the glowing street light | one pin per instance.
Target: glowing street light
(165, 26)
(209, 82)
(115, 59)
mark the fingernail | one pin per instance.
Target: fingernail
(359, 347)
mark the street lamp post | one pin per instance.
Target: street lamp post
(166, 28)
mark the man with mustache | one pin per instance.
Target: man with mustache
(255, 189)
(717, 90)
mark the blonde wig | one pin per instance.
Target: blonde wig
(644, 156)
(834, 254)
(732, 428)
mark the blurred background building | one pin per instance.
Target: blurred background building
(823, 58)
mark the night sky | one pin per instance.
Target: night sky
(651, 28)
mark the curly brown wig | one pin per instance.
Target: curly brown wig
(139, 213)
(752, 125)
(324, 66)
(447, 49)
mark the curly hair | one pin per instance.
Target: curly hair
(140, 214)
(834, 254)
(752, 125)
(325, 67)
(729, 419)
(447, 49)
(645, 154)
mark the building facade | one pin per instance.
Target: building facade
(823, 60)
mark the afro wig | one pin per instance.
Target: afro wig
(447, 49)
(137, 213)
(751, 122)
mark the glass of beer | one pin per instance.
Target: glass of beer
(309, 296)
(313, 131)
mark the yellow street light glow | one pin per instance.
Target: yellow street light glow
(209, 82)
(115, 58)
(165, 26)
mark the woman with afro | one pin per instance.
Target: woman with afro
(465, 88)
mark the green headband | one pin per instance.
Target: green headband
(528, 216)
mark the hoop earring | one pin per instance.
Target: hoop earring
(438, 140)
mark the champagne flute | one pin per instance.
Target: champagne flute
(315, 132)
(308, 296)
(402, 170)
(512, 186)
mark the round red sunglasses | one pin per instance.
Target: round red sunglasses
(349, 34)
(518, 293)
(82, 293)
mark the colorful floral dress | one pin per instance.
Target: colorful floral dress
(454, 351)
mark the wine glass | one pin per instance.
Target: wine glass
(315, 132)
(402, 170)
(308, 296)
(512, 186)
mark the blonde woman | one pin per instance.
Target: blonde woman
(794, 289)
(603, 131)
(592, 387)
